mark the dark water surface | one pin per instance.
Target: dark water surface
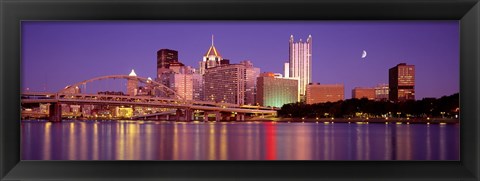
(152, 140)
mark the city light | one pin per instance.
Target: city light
(235, 97)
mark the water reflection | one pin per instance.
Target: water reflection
(150, 140)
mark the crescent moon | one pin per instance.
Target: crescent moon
(364, 54)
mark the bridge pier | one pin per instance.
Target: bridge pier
(177, 114)
(240, 117)
(188, 115)
(205, 116)
(55, 112)
(218, 116)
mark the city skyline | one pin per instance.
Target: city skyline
(105, 48)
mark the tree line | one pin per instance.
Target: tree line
(446, 106)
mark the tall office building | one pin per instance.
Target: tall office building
(251, 74)
(225, 84)
(166, 57)
(197, 81)
(321, 93)
(231, 83)
(276, 91)
(211, 59)
(402, 82)
(182, 84)
(363, 92)
(300, 63)
(132, 84)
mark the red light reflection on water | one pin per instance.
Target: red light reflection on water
(270, 140)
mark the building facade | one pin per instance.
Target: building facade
(300, 63)
(165, 57)
(132, 84)
(381, 92)
(182, 84)
(321, 93)
(363, 92)
(197, 84)
(225, 84)
(276, 91)
(402, 82)
(251, 74)
(211, 59)
(286, 69)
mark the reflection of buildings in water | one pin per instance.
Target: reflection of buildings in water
(197, 149)
(95, 137)
(72, 147)
(270, 141)
(47, 141)
(175, 142)
(326, 143)
(257, 142)
(249, 142)
(211, 142)
(359, 143)
(388, 142)
(236, 146)
(403, 142)
(223, 142)
(127, 140)
(408, 147)
(442, 145)
(302, 142)
(363, 144)
(186, 143)
(367, 143)
(83, 141)
(120, 142)
(149, 141)
(284, 151)
(428, 144)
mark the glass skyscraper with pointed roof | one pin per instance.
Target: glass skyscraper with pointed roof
(300, 63)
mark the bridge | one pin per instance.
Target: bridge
(170, 104)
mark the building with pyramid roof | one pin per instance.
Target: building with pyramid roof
(212, 58)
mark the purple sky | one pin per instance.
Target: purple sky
(56, 54)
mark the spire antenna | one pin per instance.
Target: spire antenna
(212, 39)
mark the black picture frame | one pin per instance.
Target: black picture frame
(12, 12)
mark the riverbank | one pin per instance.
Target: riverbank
(327, 120)
(364, 120)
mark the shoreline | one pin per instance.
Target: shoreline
(364, 120)
(319, 120)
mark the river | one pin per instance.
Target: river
(161, 140)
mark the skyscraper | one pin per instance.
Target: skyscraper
(225, 84)
(165, 57)
(182, 84)
(276, 91)
(211, 59)
(300, 63)
(251, 74)
(402, 82)
(197, 81)
(231, 83)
